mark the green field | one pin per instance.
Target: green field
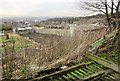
(18, 43)
(0, 40)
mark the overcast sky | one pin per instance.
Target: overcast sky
(46, 8)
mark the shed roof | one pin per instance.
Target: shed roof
(21, 28)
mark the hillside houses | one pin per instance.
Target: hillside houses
(63, 25)
(1, 33)
(23, 30)
(81, 22)
(98, 21)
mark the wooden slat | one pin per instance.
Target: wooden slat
(62, 72)
(80, 74)
(98, 74)
(104, 62)
(75, 75)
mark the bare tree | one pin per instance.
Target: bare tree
(118, 13)
(111, 9)
(108, 7)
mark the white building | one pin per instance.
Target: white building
(72, 28)
(23, 30)
(2, 33)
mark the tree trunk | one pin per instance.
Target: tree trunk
(112, 5)
(112, 13)
(118, 33)
(117, 15)
(107, 15)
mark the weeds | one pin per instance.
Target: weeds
(48, 51)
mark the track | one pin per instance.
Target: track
(82, 73)
(90, 71)
(109, 77)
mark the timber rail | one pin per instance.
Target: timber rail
(96, 70)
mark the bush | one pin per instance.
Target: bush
(6, 27)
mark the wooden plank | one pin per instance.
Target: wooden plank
(61, 79)
(107, 78)
(81, 75)
(95, 69)
(71, 76)
(98, 43)
(104, 62)
(88, 71)
(112, 77)
(98, 74)
(66, 78)
(81, 70)
(116, 76)
(62, 72)
(98, 67)
(75, 75)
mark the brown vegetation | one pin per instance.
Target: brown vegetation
(48, 52)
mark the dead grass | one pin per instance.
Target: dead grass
(52, 51)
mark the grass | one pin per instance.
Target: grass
(1, 39)
(98, 43)
(19, 42)
(9, 53)
(60, 32)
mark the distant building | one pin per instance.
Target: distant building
(23, 30)
(55, 27)
(2, 33)
(98, 21)
(72, 28)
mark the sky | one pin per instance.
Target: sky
(45, 8)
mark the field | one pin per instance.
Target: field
(18, 41)
(60, 32)
(63, 32)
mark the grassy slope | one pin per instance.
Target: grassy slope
(19, 42)
(106, 47)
